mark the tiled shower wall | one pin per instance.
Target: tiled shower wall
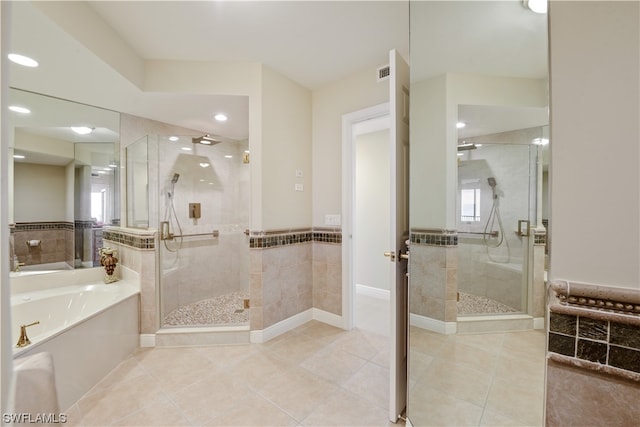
(593, 368)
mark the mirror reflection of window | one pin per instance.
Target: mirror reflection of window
(98, 206)
(470, 205)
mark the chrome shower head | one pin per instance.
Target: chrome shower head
(492, 182)
(175, 178)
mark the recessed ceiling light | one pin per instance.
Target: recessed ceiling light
(460, 125)
(220, 117)
(185, 148)
(204, 165)
(18, 156)
(173, 138)
(18, 109)
(228, 156)
(537, 6)
(22, 60)
(82, 130)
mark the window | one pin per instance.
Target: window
(98, 205)
(470, 204)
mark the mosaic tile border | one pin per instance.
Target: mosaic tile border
(137, 241)
(35, 226)
(540, 237)
(434, 237)
(83, 224)
(277, 238)
(596, 327)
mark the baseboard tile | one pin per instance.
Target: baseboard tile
(434, 325)
(147, 340)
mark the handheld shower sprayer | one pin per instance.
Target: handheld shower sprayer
(165, 226)
(490, 227)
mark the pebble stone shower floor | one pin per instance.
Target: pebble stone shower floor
(222, 310)
(475, 304)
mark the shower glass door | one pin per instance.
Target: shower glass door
(203, 210)
(496, 182)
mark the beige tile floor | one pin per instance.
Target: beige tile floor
(318, 375)
(489, 379)
(315, 375)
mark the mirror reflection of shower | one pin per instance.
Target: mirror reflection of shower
(171, 224)
(493, 233)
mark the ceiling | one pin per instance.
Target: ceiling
(313, 43)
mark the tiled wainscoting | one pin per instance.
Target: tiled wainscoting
(293, 271)
(55, 242)
(136, 250)
(594, 354)
(433, 273)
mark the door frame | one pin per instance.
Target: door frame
(348, 204)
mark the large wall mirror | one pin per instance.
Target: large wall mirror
(64, 181)
(479, 153)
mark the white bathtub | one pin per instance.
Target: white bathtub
(51, 267)
(87, 326)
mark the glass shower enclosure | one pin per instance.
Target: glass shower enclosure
(203, 212)
(203, 209)
(496, 209)
(195, 190)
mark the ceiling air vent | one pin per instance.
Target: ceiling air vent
(383, 73)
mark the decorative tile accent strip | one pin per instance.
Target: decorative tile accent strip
(603, 298)
(83, 224)
(596, 327)
(276, 238)
(434, 237)
(53, 225)
(540, 237)
(127, 238)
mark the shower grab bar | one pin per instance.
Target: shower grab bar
(215, 234)
(492, 234)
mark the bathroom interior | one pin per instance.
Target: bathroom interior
(176, 205)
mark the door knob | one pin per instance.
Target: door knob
(405, 255)
(391, 255)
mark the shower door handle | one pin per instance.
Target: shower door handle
(524, 227)
(391, 255)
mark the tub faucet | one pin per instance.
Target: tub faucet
(24, 341)
(18, 265)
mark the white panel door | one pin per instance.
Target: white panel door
(399, 156)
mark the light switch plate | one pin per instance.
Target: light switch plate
(332, 219)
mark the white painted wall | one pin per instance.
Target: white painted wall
(39, 192)
(286, 148)
(6, 356)
(372, 209)
(595, 138)
(353, 93)
(434, 113)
